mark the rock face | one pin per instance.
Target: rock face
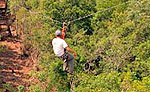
(4, 19)
(13, 68)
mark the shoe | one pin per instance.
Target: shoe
(71, 73)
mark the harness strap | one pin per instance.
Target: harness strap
(64, 56)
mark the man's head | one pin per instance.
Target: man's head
(58, 33)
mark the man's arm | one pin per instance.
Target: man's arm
(70, 50)
(63, 32)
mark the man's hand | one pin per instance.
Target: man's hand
(70, 50)
(75, 54)
(64, 24)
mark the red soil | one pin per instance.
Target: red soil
(14, 67)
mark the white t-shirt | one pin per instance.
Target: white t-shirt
(58, 46)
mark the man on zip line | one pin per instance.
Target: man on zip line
(59, 47)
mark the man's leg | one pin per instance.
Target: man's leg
(65, 66)
(71, 66)
(71, 63)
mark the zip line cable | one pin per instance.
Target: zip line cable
(45, 16)
(94, 13)
(100, 11)
(80, 18)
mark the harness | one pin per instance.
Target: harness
(64, 56)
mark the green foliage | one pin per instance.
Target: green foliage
(9, 87)
(105, 82)
(33, 3)
(21, 88)
(120, 36)
(35, 88)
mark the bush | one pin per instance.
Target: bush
(120, 36)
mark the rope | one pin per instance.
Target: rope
(55, 20)
(89, 14)
(100, 11)
(45, 16)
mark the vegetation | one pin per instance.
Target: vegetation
(116, 42)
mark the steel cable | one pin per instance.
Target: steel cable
(80, 18)
(99, 12)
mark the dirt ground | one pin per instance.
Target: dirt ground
(14, 67)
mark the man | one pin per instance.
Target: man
(59, 47)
